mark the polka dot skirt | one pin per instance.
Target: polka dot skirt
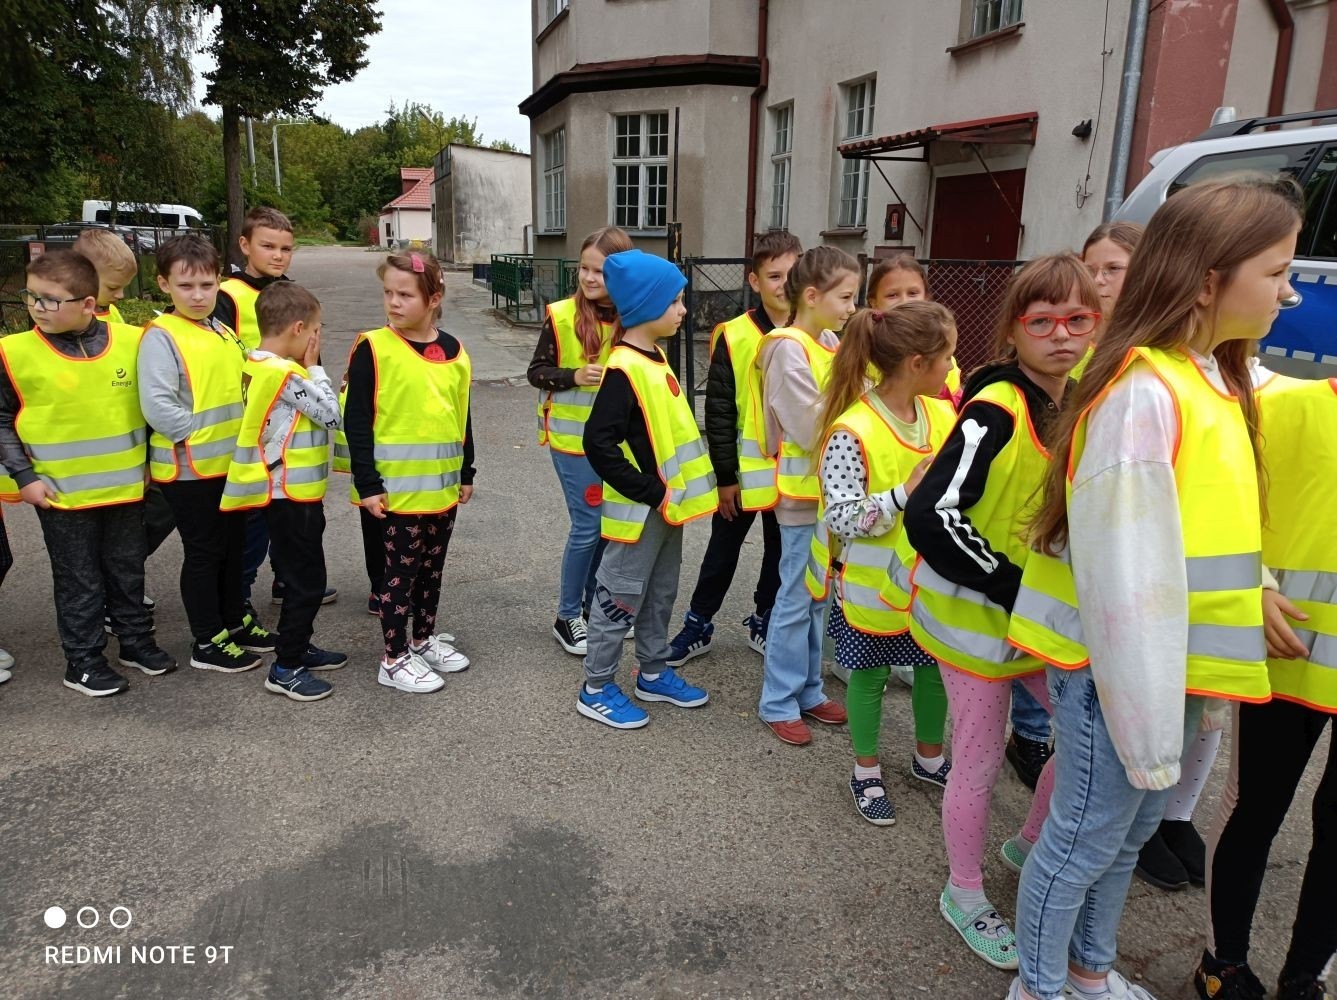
(857, 650)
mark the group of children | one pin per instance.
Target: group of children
(216, 420)
(1085, 525)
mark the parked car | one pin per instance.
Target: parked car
(62, 235)
(1303, 341)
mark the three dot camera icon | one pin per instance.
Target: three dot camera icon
(88, 917)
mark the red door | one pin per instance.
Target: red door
(971, 220)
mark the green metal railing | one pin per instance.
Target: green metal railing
(522, 286)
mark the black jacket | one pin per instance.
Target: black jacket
(935, 517)
(722, 406)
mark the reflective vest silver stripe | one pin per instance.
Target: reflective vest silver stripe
(305, 474)
(1240, 643)
(699, 486)
(635, 513)
(927, 578)
(236, 489)
(575, 397)
(1230, 572)
(215, 415)
(87, 448)
(310, 439)
(420, 484)
(1049, 612)
(981, 647)
(558, 425)
(749, 449)
(871, 556)
(1318, 588)
(800, 467)
(756, 479)
(94, 480)
(246, 456)
(861, 596)
(672, 466)
(302, 474)
(161, 456)
(213, 449)
(899, 572)
(417, 452)
(341, 450)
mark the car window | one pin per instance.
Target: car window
(1271, 160)
(1318, 236)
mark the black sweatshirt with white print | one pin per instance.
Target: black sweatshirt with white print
(935, 517)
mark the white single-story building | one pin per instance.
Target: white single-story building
(408, 217)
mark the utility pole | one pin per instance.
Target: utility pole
(250, 148)
(278, 177)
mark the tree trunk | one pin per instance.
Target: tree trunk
(236, 197)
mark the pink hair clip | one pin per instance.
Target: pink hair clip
(878, 315)
(418, 266)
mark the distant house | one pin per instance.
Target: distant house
(482, 204)
(408, 217)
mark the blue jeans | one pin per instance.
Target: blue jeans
(1076, 877)
(585, 544)
(1029, 719)
(792, 682)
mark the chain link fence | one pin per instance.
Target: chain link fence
(973, 290)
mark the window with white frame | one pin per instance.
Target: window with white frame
(554, 181)
(782, 145)
(993, 15)
(640, 170)
(551, 8)
(859, 99)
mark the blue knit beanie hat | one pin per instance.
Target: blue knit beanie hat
(641, 285)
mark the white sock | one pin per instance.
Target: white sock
(864, 773)
(968, 900)
(1084, 986)
(591, 691)
(930, 764)
(650, 678)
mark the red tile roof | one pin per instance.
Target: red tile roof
(417, 196)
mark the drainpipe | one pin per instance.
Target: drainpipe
(754, 125)
(1281, 67)
(1129, 89)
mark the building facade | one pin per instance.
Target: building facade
(408, 218)
(480, 204)
(979, 129)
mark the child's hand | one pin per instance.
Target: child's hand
(375, 506)
(729, 501)
(466, 494)
(311, 356)
(1281, 639)
(590, 375)
(38, 494)
(917, 475)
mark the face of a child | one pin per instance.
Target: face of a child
(831, 308)
(896, 287)
(591, 275)
(931, 372)
(668, 323)
(405, 306)
(1054, 353)
(769, 283)
(1108, 263)
(54, 310)
(193, 292)
(1247, 306)
(110, 289)
(268, 252)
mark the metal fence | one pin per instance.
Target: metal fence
(21, 243)
(973, 291)
(522, 286)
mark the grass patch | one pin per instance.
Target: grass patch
(137, 312)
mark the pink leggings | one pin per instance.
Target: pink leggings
(979, 710)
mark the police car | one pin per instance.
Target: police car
(1303, 340)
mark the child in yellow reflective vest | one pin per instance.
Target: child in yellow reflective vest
(642, 440)
(1152, 500)
(877, 443)
(898, 279)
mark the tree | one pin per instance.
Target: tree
(505, 145)
(276, 57)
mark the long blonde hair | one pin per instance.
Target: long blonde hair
(1211, 226)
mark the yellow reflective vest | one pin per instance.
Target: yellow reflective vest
(1298, 421)
(109, 313)
(213, 361)
(562, 415)
(79, 418)
(960, 626)
(1082, 362)
(756, 472)
(243, 296)
(301, 471)
(421, 413)
(1221, 524)
(866, 562)
(681, 459)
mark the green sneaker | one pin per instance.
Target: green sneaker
(1013, 854)
(984, 932)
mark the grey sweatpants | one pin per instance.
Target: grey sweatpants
(636, 585)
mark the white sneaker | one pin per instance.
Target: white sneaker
(440, 655)
(6, 661)
(1116, 988)
(631, 634)
(409, 673)
(4, 675)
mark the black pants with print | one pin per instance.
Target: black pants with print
(415, 555)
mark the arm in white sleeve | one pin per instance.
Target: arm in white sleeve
(850, 511)
(1128, 562)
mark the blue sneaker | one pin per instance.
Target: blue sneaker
(756, 630)
(611, 707)
(692, 641)
(297, 683)
(316, 658)
(669, 687)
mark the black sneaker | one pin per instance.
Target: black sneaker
(571, 634)
(316, 658)
(148, 658)
(1028, 758)
(297, 684)
(222, 654)
(1223, 981)
(1158, 866)
(276, 595)
(150, 605)
(253, 637)
(94, 678)
(1301, 988)
(1186, 845)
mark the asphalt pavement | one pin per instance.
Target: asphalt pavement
(484, 841)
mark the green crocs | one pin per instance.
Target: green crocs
(984, 931)
(1012, 854)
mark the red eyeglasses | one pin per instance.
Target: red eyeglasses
(1040, 325)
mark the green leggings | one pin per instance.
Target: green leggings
(863, 702)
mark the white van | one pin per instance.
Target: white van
(141, 215)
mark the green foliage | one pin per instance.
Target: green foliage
(505, 145)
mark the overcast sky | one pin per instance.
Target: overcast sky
(462, 58)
